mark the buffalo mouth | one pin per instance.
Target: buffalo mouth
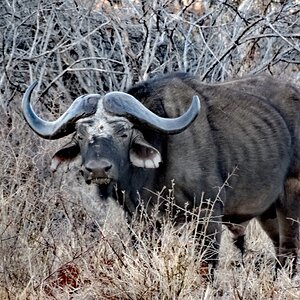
(105, 185)
(103, 181)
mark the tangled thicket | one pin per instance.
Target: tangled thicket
(72, 49)
(51, 226)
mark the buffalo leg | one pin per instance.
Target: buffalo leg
(288, 214)
(271, 226)
(269, 223)
(209, 236)
(238, 232)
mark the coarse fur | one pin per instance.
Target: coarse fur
(247, 136)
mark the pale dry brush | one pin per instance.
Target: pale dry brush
(49, 225)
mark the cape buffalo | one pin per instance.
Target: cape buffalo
(143, 139)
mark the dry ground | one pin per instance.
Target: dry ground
(57, 239)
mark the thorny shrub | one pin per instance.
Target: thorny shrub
(57, 238)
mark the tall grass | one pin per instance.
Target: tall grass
(55, 246)
(58, 240)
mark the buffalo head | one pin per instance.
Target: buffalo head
(108, 134)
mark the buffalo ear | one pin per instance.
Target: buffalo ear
(67, 153)
(143, 155)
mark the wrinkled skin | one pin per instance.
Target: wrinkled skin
(247, 134)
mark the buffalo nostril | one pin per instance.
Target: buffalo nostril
(89, 168)
(98, 168)
(104, 165)
(107, 168)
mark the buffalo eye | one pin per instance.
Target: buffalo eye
(124, 135)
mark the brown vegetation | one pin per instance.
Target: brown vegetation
(57, 239)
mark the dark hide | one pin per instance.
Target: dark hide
(247, 135)
(250, 127)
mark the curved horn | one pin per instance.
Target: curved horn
(123, 104)
(82, 107)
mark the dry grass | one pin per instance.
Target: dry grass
(73, 256)
(58, 240)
